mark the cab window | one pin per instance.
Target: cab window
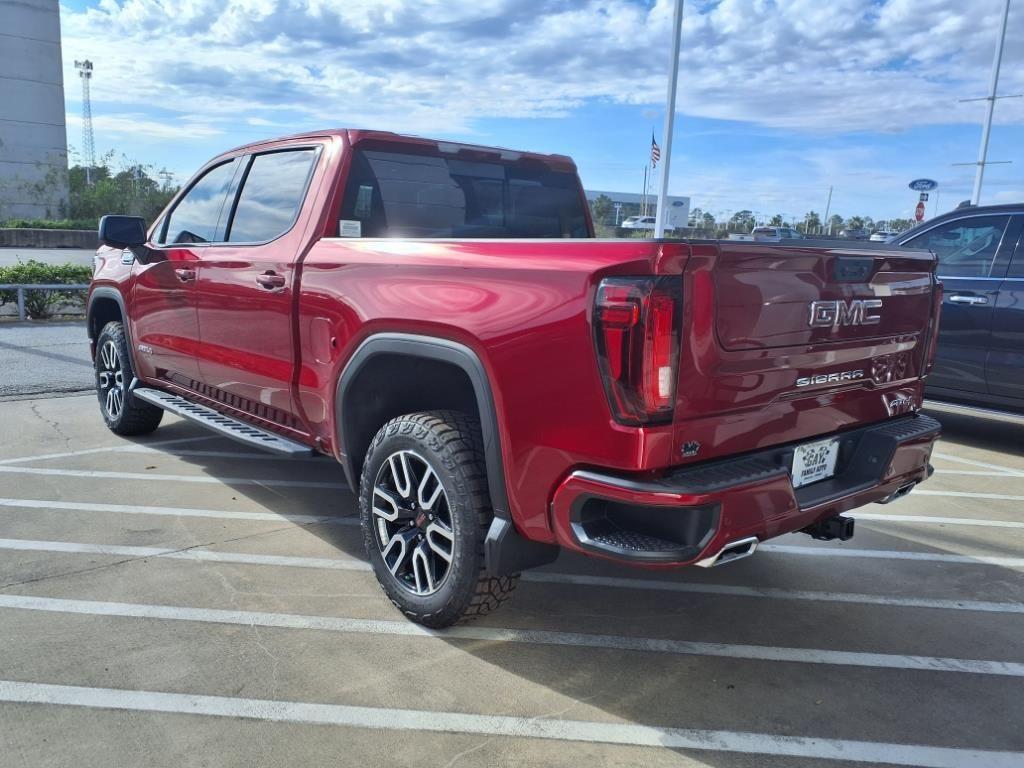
(199, 216)
(271, 195)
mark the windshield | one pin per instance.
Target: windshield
(397, 194)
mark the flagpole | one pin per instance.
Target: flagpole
(670, 114)
(643, 197)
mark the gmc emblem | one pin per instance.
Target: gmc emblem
(829, 314)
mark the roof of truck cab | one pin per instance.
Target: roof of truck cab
(358, 135)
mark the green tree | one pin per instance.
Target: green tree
(601, 209)
(811, 223)
(835, 223)
(855, 222)
(130, 189)
(742, 221)
(776, 220)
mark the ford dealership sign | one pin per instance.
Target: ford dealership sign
(923, 185)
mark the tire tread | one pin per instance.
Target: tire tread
(457, 436)
(137, 417)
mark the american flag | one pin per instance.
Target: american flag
(655, 152)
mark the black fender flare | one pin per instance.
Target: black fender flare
(108, 292)
(506, 551)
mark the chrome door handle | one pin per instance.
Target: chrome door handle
(972, 300)
(270, 280)
(185, 275)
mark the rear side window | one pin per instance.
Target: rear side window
(965, 247)
(272, 193)
(199, 215)
(392, 194)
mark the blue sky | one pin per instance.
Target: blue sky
(778, 100)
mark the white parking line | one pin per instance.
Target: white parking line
(626, 734)
(151, 476)
(976, 472)
(525, 636)
(133, 509)
(205, 555)
(535, 576)
(975, 463)
(106, 449)
(963, 495)
(883, 518)
(888, 554)
(1009, 562)
(771, 592)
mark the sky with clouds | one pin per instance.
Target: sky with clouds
(778, 99)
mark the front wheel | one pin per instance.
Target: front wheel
(123, 414)
(425, 511)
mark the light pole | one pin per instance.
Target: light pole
(997, 59)
(661, 214)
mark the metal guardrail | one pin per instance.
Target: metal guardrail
(22, 287)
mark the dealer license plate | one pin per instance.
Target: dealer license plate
(814, 461)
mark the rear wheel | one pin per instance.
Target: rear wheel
(123, 414)
(425, 511)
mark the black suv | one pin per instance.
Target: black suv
(980, 358)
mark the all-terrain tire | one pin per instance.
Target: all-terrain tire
(122, 412)
(450, 444)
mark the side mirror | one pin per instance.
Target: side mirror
(128, 232)
(122, 231)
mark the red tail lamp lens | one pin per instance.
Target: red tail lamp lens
(636, 323)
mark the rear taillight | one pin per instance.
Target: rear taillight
(636, 331)
(933, 330)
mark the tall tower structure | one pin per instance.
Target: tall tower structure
(33, 136)
(88, 148)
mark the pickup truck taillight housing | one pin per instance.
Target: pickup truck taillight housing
(933, 330)
(636, 332)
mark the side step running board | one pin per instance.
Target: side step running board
(221, 424)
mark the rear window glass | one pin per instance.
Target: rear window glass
(392, 194)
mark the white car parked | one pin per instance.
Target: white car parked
(882, 237)
(638, 222)
(775, 234)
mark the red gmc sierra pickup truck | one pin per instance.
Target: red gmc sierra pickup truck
(496, 383)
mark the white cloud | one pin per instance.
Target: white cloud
(440, 65)
(135, 124)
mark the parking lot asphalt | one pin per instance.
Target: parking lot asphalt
(179, 600)
(44, 359)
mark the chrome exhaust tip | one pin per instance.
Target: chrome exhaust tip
(731, 552)
(899, 493)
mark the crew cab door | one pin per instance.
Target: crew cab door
(972, 253)
(164, 323)
(246, 287)
(1006, 357)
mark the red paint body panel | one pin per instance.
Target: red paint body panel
(526, 309)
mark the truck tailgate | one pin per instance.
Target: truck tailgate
(766, 295)
(785, 342)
